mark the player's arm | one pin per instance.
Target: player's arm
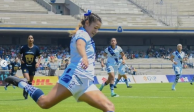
(172, 59)
(102, 59)
(39, 57)
(185, 59)
(20, 55)
(123, 57)
(80, 44)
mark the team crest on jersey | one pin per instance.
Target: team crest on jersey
(29, 59)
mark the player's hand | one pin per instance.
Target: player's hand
(37, 65)
(84, 63)
(102, 65)
(123, 62)
(175, 63)
(22, 62)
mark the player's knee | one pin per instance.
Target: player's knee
(109, 106)
(44, 103)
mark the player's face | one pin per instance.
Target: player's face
(92, 28)
(31, 39)
(179, 48)
(113, 42)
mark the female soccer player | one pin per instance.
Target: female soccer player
(28, 63)
(122, 73)
(177, 57)
(13, 66)
(77, 79)
(112, 52)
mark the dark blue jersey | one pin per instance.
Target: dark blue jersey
(14, 67)
(29, 55)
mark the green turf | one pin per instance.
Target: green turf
(140, 98)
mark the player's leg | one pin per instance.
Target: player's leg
(126, 81)
(57, 94)
(119, 77)
(191, 82)
(26, 75)
(98, 100)
(177, 71)
(109, 71)
(5, 87)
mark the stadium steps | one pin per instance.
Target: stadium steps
(21, 6)
(20, 18)
(117, 13)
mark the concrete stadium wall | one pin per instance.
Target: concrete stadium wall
(74, 9)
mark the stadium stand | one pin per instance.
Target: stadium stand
(24, 6)
(172, 12)
(118, 12)
(20, 18)
(30, 12)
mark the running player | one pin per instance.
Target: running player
(112, 52)
(123, 70)
(77, 79)
(13, 66)
(177, 57)
(28, 63)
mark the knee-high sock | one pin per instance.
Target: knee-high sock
(126, 82)
(112, 88)
(176, 79)
(35, 93)
(116, 82)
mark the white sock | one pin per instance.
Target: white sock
(22, 84)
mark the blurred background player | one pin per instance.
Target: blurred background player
(13, 67)
(112, 52)
(123, 70)
(77, 80)
(177, 57)
(28, 61)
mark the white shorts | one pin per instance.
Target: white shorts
(75, 84)
(121, 72)
(177, 70)
(111, 69)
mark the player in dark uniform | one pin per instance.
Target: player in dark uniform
(28, 64)
(13, 67)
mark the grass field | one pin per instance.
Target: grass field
(140, 98)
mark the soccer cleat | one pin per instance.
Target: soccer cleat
(14, 80)
(191, 83)
(114, 95)
(101, 87)
(5, 87)
(25, 94)
(173, 87)
(129, 86)
(115, 86)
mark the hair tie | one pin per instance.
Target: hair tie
(88, 13)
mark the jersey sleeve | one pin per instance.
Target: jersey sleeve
(21, 50)
(120, 49)
(173, 54)
(84, 36)
(106, 51)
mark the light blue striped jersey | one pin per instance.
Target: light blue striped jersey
(76, 58)
(178, 57)
(113, 55)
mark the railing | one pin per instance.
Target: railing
(150, 66)
(45, 4)
(164, 12)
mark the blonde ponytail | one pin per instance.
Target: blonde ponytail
(73, 32)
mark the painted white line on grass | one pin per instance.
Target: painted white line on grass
(151, 97)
